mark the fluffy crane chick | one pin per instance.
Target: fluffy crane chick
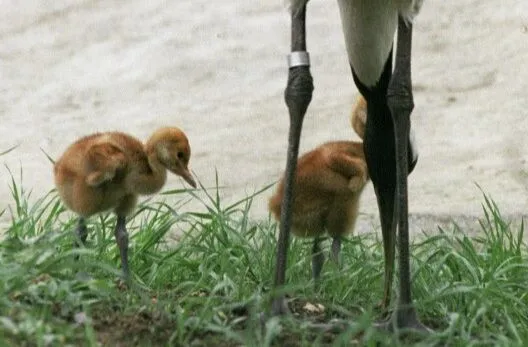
(327, 186)
(107, 171)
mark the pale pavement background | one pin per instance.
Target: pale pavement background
(72, 67)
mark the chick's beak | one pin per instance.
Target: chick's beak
(187, 176)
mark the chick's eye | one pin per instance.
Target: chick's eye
(180, 155)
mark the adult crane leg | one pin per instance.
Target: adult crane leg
(400, 103)
(297, 95)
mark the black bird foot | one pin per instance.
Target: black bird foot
(403, 320)
(382, 309)
(279, 307)
(122, 284)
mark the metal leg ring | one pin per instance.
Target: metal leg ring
(298, 58)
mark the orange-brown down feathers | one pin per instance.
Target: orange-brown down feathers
(328, 183)
(108, 170)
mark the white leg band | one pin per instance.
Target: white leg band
(298, 58)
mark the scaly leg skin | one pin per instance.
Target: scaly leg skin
(297, 95)
(121, 236)
(386, 211)
(400, 102)
(336, 249)
(317, 260)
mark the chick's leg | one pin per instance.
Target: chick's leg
(336, 249)
(121, 236)
(81, 232)
(317, 259)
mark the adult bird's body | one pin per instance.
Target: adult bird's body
(369, 27)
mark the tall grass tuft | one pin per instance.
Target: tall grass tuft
(211, 285)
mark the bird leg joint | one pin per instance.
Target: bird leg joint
(400, 98)
(298, 93)
(121, 237)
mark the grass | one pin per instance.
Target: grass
(209, 288)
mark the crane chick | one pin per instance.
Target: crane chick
(107, 171)
(327, 186)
